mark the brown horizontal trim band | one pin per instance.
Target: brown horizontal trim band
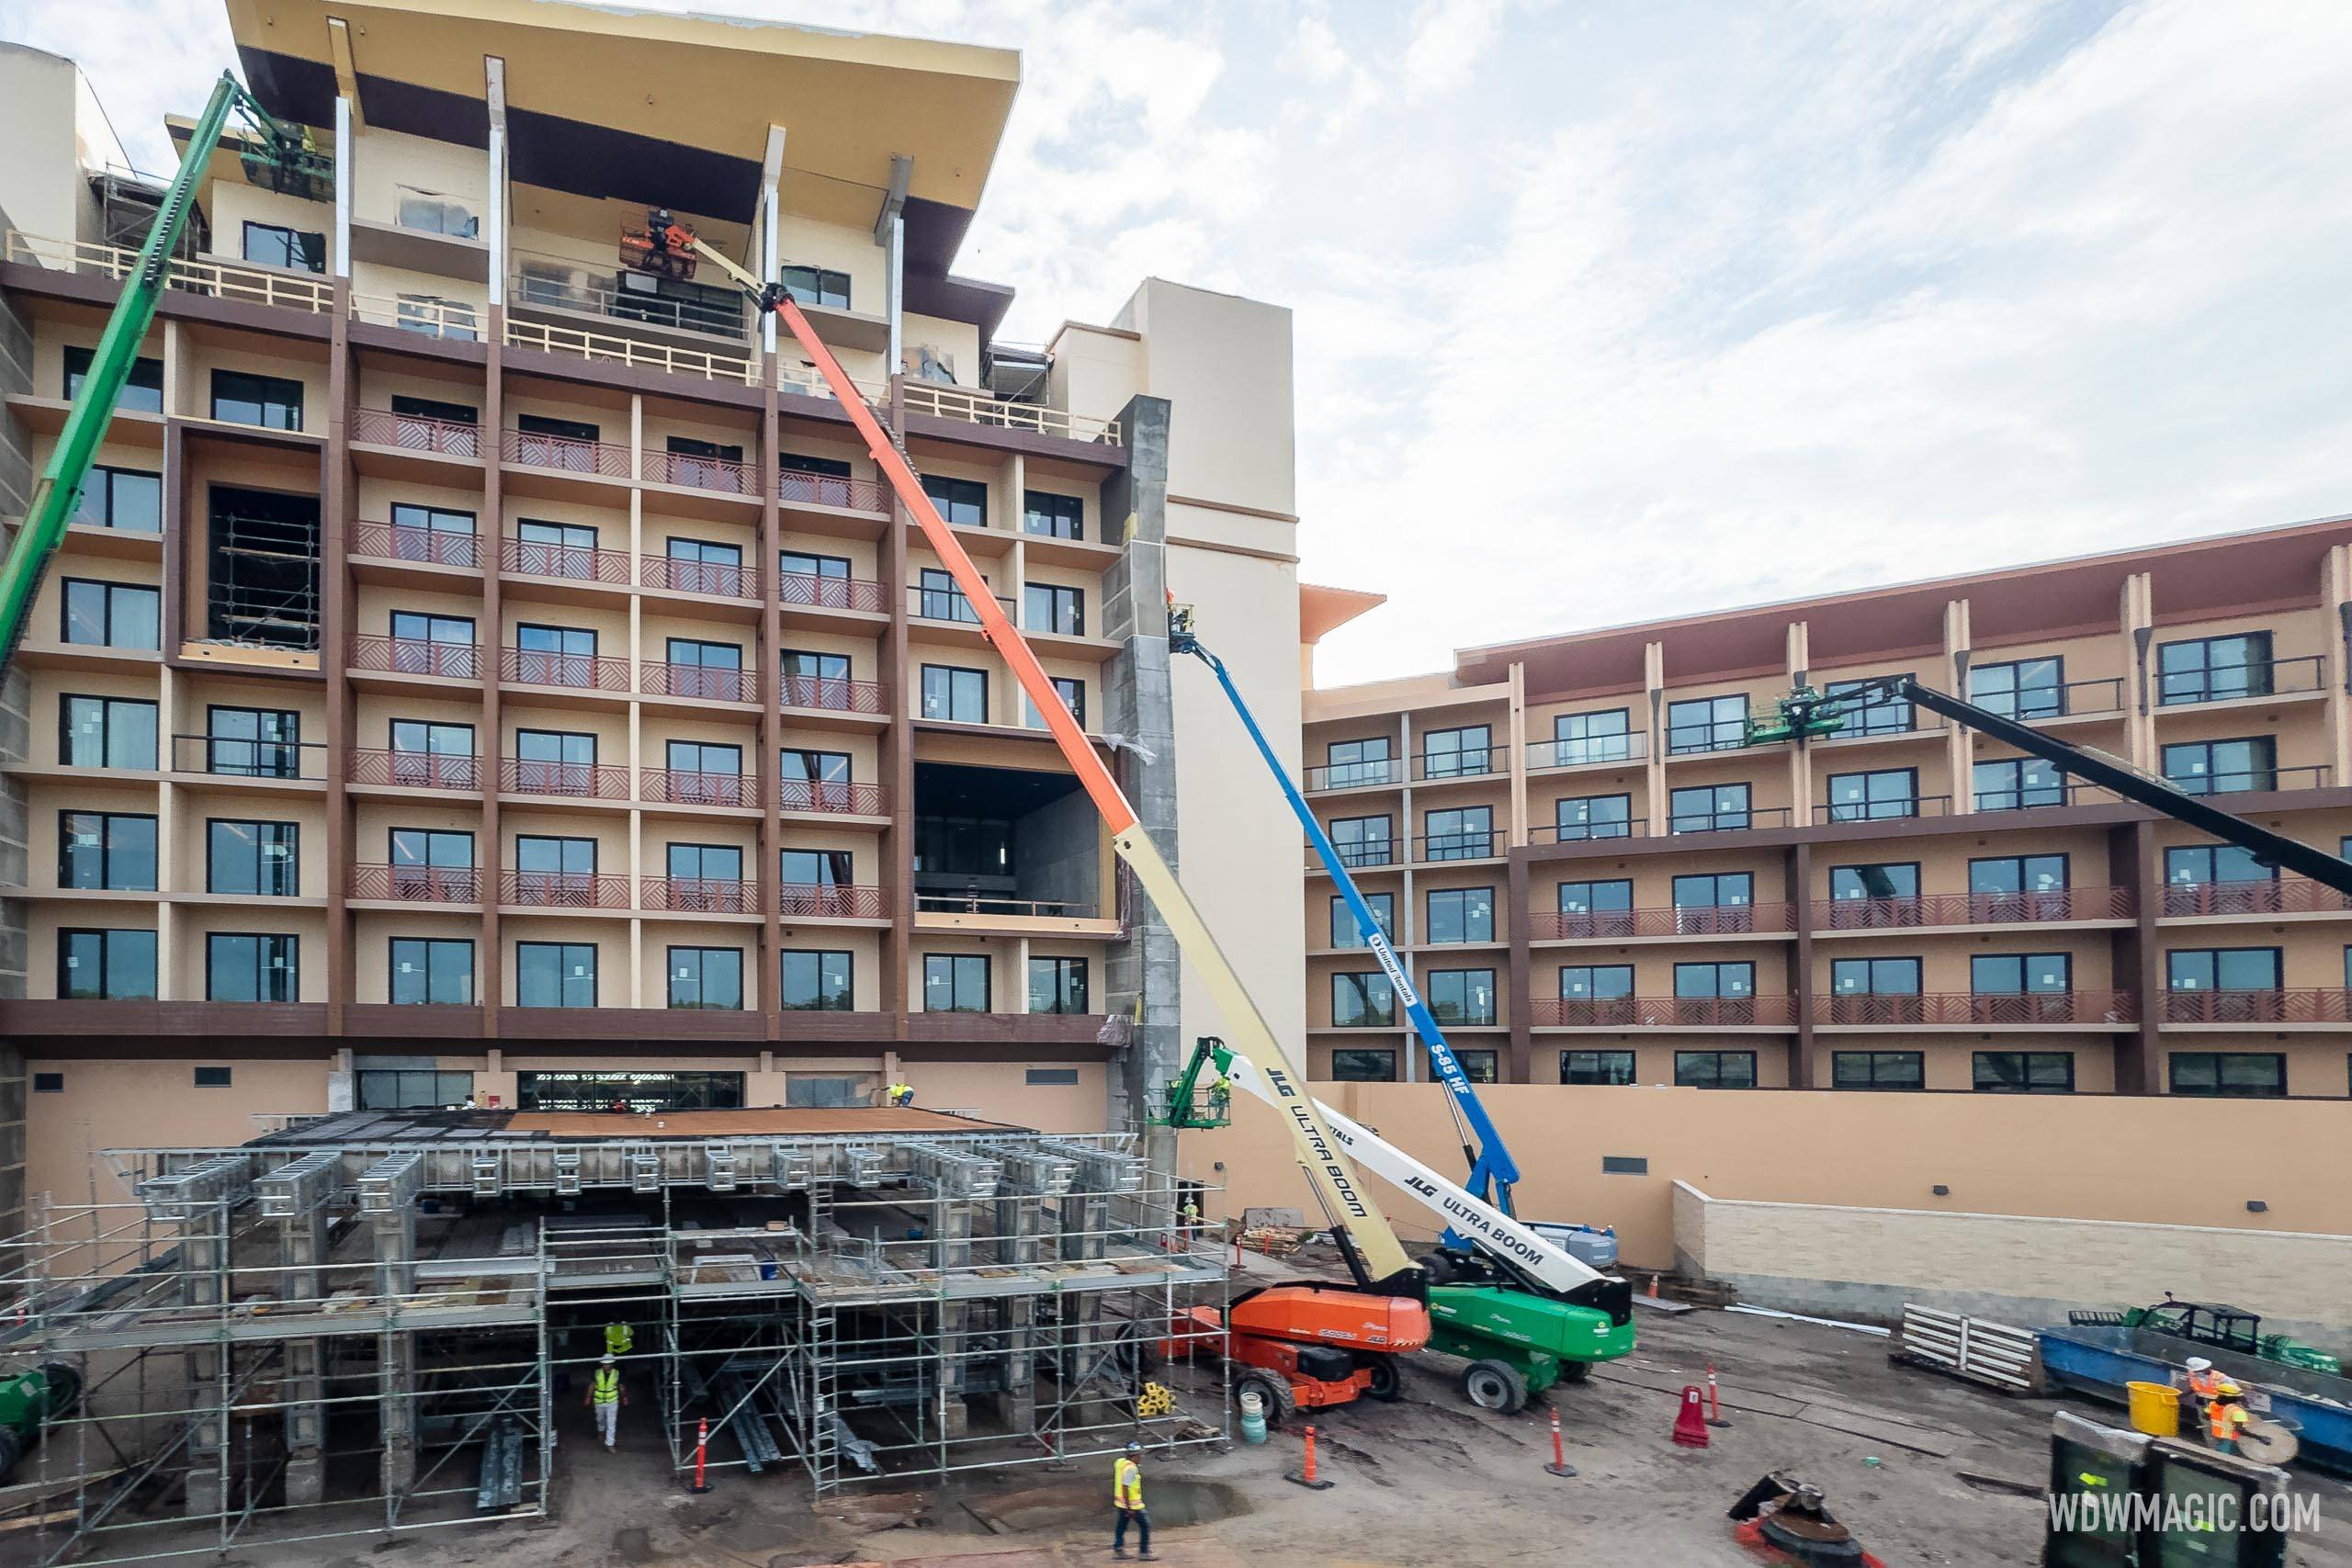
(1175, 499)
(277, 321)
(1224, 549)
(1061, 449)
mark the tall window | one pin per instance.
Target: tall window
(142, 392)
(958, 695)
(1362, 841)
(1870, 796)
(813, 680)
(2223, 767)
(429, 644)
(814, 981)
(1881, 880)
(109, 851)
(2020, 688)
(1883, 713)
(555, 549)
(2195, 863)
(1463, 832)
(817, 286)
(1364, 1000)
(708, 977)
(1593, 816)
(1708, 808)
(706, 566)
(2231, 1075)
(254, 742)
(1874, 977)
(111, 615)
(1878, 1070)
(1464, 996)
(438, 534)
(1596, 908)
(272, 403)
(1478, 1066)
(1344, 932)
(704, 772)
(433, 863)
(955, 982)
(2014, 784)
(1053, 516)
(273, 244)
(555, 761)
(1596, 1067)
(1601, 736)
(555, 870)
(807, 563)
(1462, 752)
(1999, 876)
(1701, 981)
(2221, 969)
(2020, 973)
(1596, 993)
(555, 973)
(106, 732)
(433, 970)
(1714, 1070)
(813, 780)
(814, 868)
(1364, 761)
(2211, 669)
(262, 860)
(240, 966)
(1057, 985)
(711, 671)
(1715, 890)
(1706, 723)
(128, 500)
(964, 502)
(555, 656)
(1459, 914)
(1070, 690)
(706, 876)
(2023, 1072)
(106, 966)
(1050, 607)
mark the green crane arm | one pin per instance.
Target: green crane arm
(58, 494)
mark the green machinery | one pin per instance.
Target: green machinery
(29, 1401)
(277, 156)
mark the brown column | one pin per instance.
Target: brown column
(2138, 957)
(337, 512)
(769, 661)
(1797, 883)
(490, 854)
(897, 755)
(1519, 1066)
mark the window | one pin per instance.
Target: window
(555, 549)
(1708, 808)
(1883, 713)
(430, 212)
(2022, 688)
(1880, 880)
(260, 859)
(2020, 973)
(1874, 977)
(112, 614)
(1050, 607)
(706, 566)
(961, 501)
(49, 1083)
(2198, 863)
(1464, 752)
(241, 967)
(1706, 723)
(1361, 1063)
(554, 429)
(2223, 767)
(1590, 737)
(2024, 1072)
(106, 732)
(1053, 516)
(2233, 1075)
(1462, 832)
(1596, 908)
(639, 1091)
(551, 870)
(1721, 980)
(811, 981)
(1072, 693)
(255, 742)
(812, 779)
(958, 695)
(711, 671)
(1461, 996)
(816, 680)
(263, 558)
(106, 966)
(2221, 969)
(1878, 1070)
(1478, 1066)
(1865, 797)
(1596, 1067)
(1362, 841)
(142, 391)
(1365, 1000)
(706, 876)
(817, 286)
(1714, 1070)
(2010, 883)
(1343, 924)
(428, 644)
(126, 500)
(414, 413)
(555, 761)
(805, 563)
(2209, 670)
(2014, 784)
(412, 1088)
(113, 851)
(1363, 762)
(709, 977)
(1461, 914)
(436, 534)
(1593, 816)
(1047, 1078)
(212, 1078)
(704, 772)
(555, 973)
(1706, 903)
(555, 656)
(1596, 993)
(273, 245)
(814, 868)
(433, 970)
(938, 598)
(271, 401)
(955, 982)
(1057, 985)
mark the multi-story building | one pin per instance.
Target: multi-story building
(481, 667)
(1596, 878)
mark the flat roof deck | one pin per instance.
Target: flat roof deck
(446, 1127)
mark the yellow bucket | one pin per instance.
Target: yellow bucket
(2155, 1408)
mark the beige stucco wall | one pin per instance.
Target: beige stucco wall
(53, 129)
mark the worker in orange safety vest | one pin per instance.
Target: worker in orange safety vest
(2204, 1382)
(2226, 1416)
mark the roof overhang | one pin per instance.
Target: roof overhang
(1322, 611)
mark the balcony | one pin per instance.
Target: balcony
(1358, 857)
(948, 604)
(2238, 682)
(833, 901)
(1588, 751)
(1969, 1009)
(1662, 1012)
(451, 321)
(562, 453)
(575, 671)
(1972, 909)
(611, 348)
(2262, 781)
(698, 682)
(562, 890)
(832, 797)
(622, 301)
(668, 787)
(422, 547)
(218, 280)
(1476, 844)
(227, 757)
(1019, 908)
(2321, 1006)
(1689, 920)
(415, 769)
(833, 491)
(973, 407)
(1849, 811)
(2273, 895)
(415, 656)
(415, 433)
(2100, 697)
(417, 883)
(1740, 819)
(801, 590)
(698, 896)
(1588, 832)
(1378, 771)
(833, 693)
(572, 563)
(575, 781)
(1480, 761)
(715, 579)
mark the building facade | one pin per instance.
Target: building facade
(1595, 878)
(479, 667)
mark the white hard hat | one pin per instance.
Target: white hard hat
(610, 1361)
(2199, 1364)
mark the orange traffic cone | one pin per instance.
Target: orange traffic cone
(1691, 1421)
(1306, 1476)
(1714, 1400)
(1653, 1286)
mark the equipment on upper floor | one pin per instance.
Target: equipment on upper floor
(664, 247)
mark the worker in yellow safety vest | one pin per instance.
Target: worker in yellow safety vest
(1126, 1498)
(618, 1338)
(605, 1396)
(2226, 1416)
(902, 1094)
(1221, 1096)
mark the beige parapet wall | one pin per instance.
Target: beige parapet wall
(2023, 1269)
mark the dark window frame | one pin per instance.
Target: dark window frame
(2222, 1090)
(821, 999)
(1687, 1075)
(427, 945)
(1612, 1068)
(274, 408)
(1875, 1064)
(67, 732)
(2022, 1080)
(562, 951)
(283, 976)
(107, 961)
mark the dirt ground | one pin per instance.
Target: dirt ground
(1428, 1481)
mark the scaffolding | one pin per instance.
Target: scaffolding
(265, 573)
(319, 1335)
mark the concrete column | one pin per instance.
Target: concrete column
(207, 1257)
(2336, 605)
(396, 1351)
(1654, 772)
(2139, 632)
(1959, 744)
(771, 222)
(494, 220)
(1800, 665)
(303, 1250)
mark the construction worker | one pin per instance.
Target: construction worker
(1126, 1500)
(605, 1396)
(2204, 1382)
(1221, 1098)
(618, 1338)
(2226, 1416)
(902, 1094)
(1192, 1215)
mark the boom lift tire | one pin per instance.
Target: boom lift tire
(1575, 1372)
(1388, 1380)
(1495, 1385)
(1273, 1394)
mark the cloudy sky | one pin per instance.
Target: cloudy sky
(1606, 311)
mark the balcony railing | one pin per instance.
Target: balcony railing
(1661, 1012)
(980, 408)
(840, 798)
(416, 432)
(2271, 895)
(415, 656)
(981, 903)
(947, 605)
(803, 589)
(833, 490)
(2006, 1010)
(1586, 751)
(840, 901)
(636, 353)
(577, 781)
(2037, 796)
(1477, 761)
(834, 694)
(704, 683)
(2325, 1006)
(678, 787)
(1375, 852)
(1585, 832)
(722, 474)
(1473, 845)
(2256, 677)
(1355, 775)
(2261, 780)
(1740, 819)
(227, 756)
(416, 770)
(453, 319)
(1702, 920)
(218, 280)
(563, 454)
(432, 547)
(545, 667)
(574, 563)
(1972, 908)
(2032, 703)
(698, 896)
(562, 890)
(1883, 810)
(716, 579)
(553, 282)
(417, 883)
